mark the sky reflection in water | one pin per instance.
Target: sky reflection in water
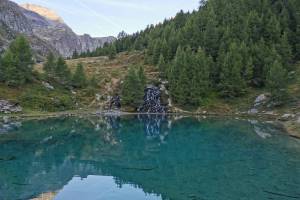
(148, 157)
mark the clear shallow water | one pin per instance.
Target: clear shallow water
(148, 157)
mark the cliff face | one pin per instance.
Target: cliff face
(45, 30)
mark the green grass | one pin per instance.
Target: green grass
(109, 73)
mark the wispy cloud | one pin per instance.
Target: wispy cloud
(98, 15)
(123, 4)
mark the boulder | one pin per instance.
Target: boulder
(253, 111)
(261, 99)
(152, 101)
(7, 107)
(287, 117)
(48, 86)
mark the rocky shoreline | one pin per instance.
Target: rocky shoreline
(288, 123)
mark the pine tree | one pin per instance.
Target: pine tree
(232, 84)
(75, 54)
(175, 73)
(62, 71)
(156, 52)
(247, 63)
(2, 78)
(200, 77)
(277, 80)
(22, 54)
(79, 78)
(132, 90)
(297, 41)
(49, 65)
(17, 63)
(142, 77)
(12, 75)
(211, 35)
(112, 52)
(162, 66)
(285, 50)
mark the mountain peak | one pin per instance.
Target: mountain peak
(43, 11)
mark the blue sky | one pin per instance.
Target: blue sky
(109, 17)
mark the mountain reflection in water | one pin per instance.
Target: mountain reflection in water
(147, 157)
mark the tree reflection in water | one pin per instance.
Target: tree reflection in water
(173, 157)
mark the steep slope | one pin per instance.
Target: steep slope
(14, 22)
(51, 28)
(45, 30)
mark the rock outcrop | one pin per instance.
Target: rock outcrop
(45, 30)
(7, 107)
(152, 101)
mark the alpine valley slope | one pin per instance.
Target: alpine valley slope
(45, 30)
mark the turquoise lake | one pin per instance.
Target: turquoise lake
(152, 157)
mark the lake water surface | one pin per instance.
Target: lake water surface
(150, 157)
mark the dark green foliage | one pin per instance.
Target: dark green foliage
(141, 76)
(75, 54)
(133, 87)
(162, 66)
(50, 65)
(112, 52)
(231, 83)
(79, 78)
(62, 72)
(243, 38)
(200, 80)
(2, 78)
(189, 77)
(41, 99)
(17, 63)
(93, 82)
(277, 80)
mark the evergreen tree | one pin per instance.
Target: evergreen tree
(175, 73)
(17, 62)
(162, 66)
(200, 77)
(141, 76)
(211, 35)
(112, 52)
(156, 52)
(22, 54)
(12, 75)
(79, 78)
(285, 50)
(132, 90)
(62, 72)
(247, 63)
(231, 83)
(49, 65)
(2, 78)
(75, 54)
(277, 80)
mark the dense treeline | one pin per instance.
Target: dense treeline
(16, 64)
(132, 90)
(16, 68)
(225, 46)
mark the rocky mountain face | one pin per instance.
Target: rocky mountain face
(45, 30)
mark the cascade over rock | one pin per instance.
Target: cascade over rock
(152, 101)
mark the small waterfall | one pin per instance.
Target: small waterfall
(152, 101)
